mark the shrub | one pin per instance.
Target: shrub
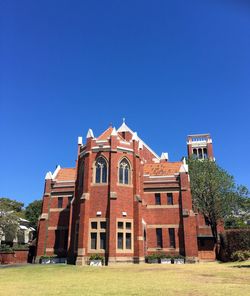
(96, 257)
(6, 249)
(48, 257)
(161, 256)
(21, 247)
(234, 240)
(178, 257)
(152, 257)
(164, 256)
(240, 255)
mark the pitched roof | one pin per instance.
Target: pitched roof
(105, 134)
(162, 169)
(66, 174)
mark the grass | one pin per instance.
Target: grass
(197, 279)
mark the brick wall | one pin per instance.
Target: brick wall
(18, 256)
(112, 201)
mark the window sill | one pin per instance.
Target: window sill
(125, 185)
(96, 251)
(162, 206)
(120, 251)
(99, 184)
(59, 209)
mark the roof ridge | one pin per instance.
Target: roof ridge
(103, 133)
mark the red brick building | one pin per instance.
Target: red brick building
(123, 201)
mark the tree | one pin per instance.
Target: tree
(12, 205)
(33, 211)
(9, 210)
(8, 226)
(214, 192)
(241, 211)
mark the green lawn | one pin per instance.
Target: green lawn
(189, 279)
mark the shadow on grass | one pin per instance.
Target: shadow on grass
(242, 266)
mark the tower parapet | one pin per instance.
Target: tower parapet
(200, 146)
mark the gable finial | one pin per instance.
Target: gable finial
(90, 134)
(123, 119)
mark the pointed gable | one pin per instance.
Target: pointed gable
(106, 134)
(124, 128)
(125, 132)
(129, 135)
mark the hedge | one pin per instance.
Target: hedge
(233, 240)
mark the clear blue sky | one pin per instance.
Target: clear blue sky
(170, 67)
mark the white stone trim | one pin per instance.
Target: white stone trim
(56, 172)
(114, 132)
(164, 156)
(101, 147)
(101, 141)
(79, 140)
(135, 137)
(124, 148)
(125, 143)
(48, 176)
(90, 134)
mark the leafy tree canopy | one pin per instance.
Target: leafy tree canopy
(33, 211)
(8, 204)
(10, 210)
(214, 192)
(241, 211)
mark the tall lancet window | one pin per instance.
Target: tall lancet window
(124, 172)
(101, 170)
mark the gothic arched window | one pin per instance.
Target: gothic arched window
(101, 170)
(124, 172)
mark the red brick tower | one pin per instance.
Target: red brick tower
(200, 146)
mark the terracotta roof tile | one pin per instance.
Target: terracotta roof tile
(66, 174)
(162, 169)
(105, 134)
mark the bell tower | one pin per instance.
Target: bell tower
(200, 146)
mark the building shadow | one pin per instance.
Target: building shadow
(61, 233)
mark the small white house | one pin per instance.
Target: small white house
(24, 233)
